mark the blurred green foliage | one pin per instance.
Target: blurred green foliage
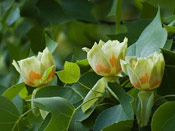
(26, 26)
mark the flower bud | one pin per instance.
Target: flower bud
(34, 69)
(104, 58)
(145, 73)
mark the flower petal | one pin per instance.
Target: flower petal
(47, 59)
(115, 51)
(98, 61)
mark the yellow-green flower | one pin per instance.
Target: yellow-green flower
(33, 69)
(145, 73)
(104, 58)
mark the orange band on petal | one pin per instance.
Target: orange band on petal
(119, 70)
(28, 83)
(99, 68)
(155, 83)
(144, 79)
(51, 75)
(137, 85)
(113, 61)
(34, 76)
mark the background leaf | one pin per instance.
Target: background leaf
(70, 74)
(164, 117)
(8, 114)
(62, 112)
(110, 116)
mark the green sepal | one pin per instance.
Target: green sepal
(144, 104)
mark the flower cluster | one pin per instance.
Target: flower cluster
(108, 59)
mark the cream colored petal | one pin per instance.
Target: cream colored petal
(39, 56)
(133, 77)
(158, 70)
(115, 51)
(47, 59)
(123, 66)
(30, 65)
(86, 49)
(98, 61)
(101, 43)
(14, 63)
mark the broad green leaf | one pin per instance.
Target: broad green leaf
(36, 38)
(52, 45)
(110, 116)
(61, 111)
(93, 95)
(70, 74)
(23, 27)
(4, 6)
(78, 9)
(23, 93)
(136, 26)
(168, 4)
(14, 90)
(84, 65)
(168, 44)
(164, 117)
(170, 29)
(131, 51)
(149, 41)
(105, 5)
(144, 106)
(148, 11)
(80, 116)
(46, 73)
(8, 115)
(120, 126)
(13, 15)
(55, 91)
(167, 86)
(121, 95)
(45, 122)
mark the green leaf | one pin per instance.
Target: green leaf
(168, 4)
(136, 26)
(13, 15)
(78, 9)
(46, 73)
(149, 41)
(168, 44)
(55, 91)
(84, 65)
(93, 95)
(4, 6)
(61, 111)
(167, 86)
(8, 115)
(116, 9)
(110, 116)
(125, 100)
(14, 90)
(70, 74)
(144, 106)
(164, 117)
(36, 38)
(52, 45)
(120, 126)
(80, 116)
(169, 28)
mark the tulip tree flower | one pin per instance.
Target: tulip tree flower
(104, 58)
(37, 71)
(145, 73)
